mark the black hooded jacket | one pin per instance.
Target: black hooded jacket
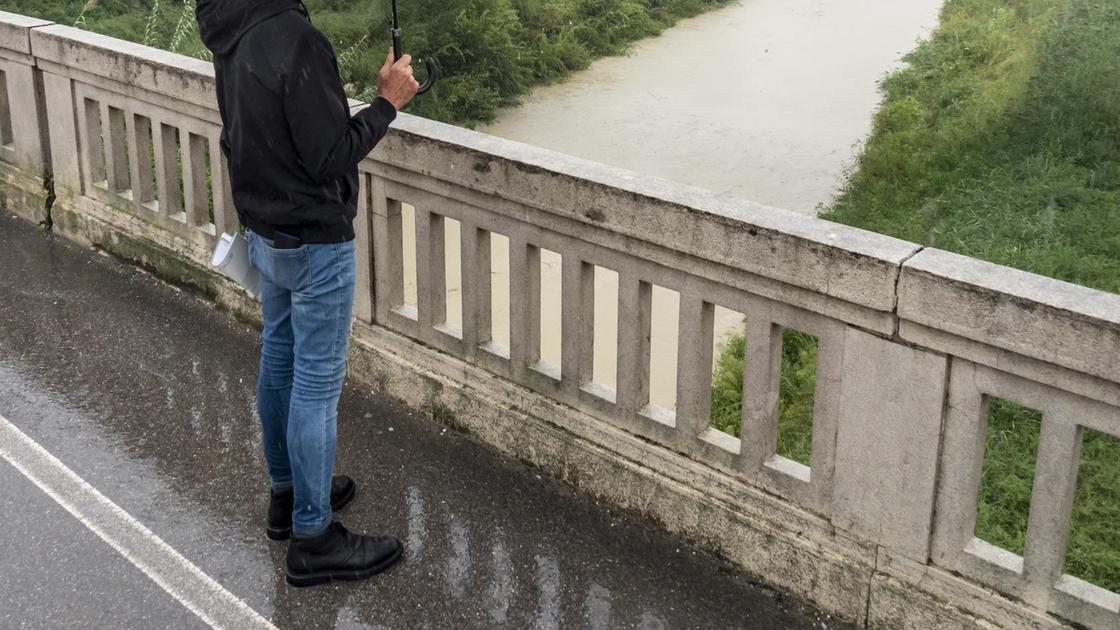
(292, 146)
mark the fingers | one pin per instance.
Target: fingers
(396, 79)
(405, 60)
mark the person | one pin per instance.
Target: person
(293, 149)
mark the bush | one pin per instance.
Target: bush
(490, 52)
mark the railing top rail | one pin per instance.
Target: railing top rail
(14, 31)
(843, 262)
(1051, 320)
(159, 71)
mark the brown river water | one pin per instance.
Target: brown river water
(767, 100)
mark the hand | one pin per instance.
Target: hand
(395, 82)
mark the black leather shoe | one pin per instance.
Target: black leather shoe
(280, 507)
(338, 554)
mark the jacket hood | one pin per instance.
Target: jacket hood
(222, 23)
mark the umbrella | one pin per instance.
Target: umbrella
(398, 51)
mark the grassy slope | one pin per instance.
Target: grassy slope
(1001, 140)
(490, 52)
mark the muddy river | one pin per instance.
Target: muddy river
(767, 100)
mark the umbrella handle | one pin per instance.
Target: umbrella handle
(433, 70)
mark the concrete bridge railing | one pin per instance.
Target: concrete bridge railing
(116, 144)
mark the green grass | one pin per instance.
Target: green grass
(1094, 547)
(1007, 479)
(798, 382)
(727, 385)
(490, 52)
(1000, 140)
(1007, 476)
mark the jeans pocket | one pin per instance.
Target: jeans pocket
(286, 268)
(276, 251)
(294, 266)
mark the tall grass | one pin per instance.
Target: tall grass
(184, 26)
(795, 395)
(1001, 140)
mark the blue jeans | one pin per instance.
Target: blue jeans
(308, 296)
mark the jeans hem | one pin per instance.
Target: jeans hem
(281, 487)
(311, 532)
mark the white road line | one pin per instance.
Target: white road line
(184, 581)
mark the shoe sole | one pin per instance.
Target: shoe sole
(280, 534)
(314, 579)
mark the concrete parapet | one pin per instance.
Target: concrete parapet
(15, 29)
(1053, 321)
(886, 450)
(135, 67)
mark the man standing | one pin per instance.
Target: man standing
(293, 150)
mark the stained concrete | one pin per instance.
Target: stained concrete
(147, 393)
(890, 426)
(1013, 310)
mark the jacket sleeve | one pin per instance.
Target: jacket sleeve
(223, 139)
(327, 139)
(223, 142)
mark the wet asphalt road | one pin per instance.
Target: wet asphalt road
(147, 393)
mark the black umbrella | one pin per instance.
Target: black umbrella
(398, 51)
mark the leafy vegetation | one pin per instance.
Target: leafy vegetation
(999, 140)
(490, 52)
(1007, 476)
(1094, 545)
(1007, 479)
(795, 397)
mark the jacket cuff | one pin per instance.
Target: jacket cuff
(385, 108)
